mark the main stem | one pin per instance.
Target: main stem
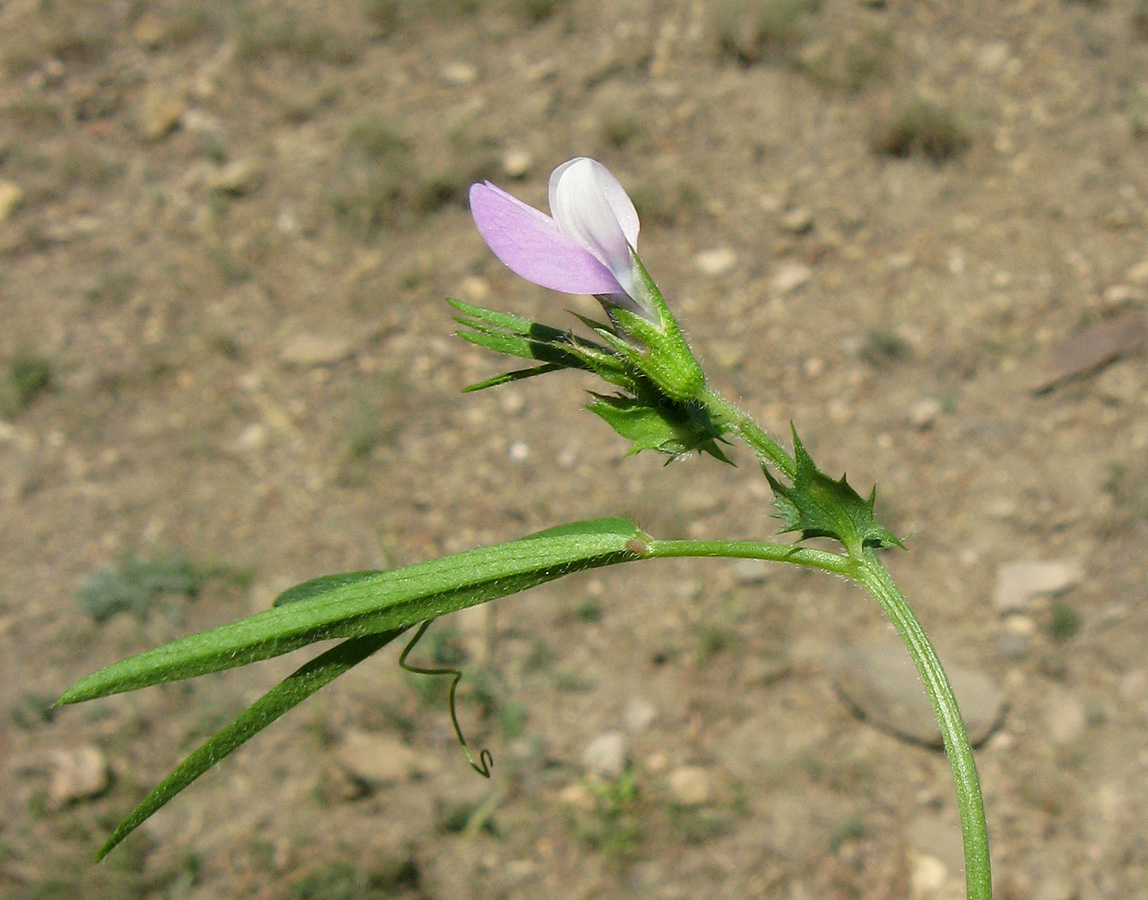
(764, 447)
(869, 572)
(875, 578)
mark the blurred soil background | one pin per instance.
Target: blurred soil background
(917, 229)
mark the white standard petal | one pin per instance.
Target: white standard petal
(590, 206)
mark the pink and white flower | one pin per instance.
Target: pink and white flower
(586, 244)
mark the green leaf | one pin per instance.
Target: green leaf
(589, 526)
(670, 428)
(316, 587)
(818, 506)
(364, 603)
(291, 691)
(555, 348)
(509, 377)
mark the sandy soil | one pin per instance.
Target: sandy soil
(226, 234)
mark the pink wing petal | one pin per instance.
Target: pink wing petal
(531, 245)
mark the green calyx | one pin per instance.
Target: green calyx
(657, 406)
(819, 506)
(660, 352)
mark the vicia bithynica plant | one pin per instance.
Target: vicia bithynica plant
(656, 396)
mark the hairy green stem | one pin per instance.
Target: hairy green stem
(801, 556)
(867, 570)
(875, 578)
(764, 447)
(871, 574)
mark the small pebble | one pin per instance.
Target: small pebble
(567, 457)
(790, 276)
(1138, 274)
(77, 773)
(715, 263)
(11, 196)
(578, 796)
(1117, 295)
(475, 289)
(196, 121)
(1019, 624)
(923, 413)
(1133, 686)
(929, 875)
(252, 438)
(516, 163)
(459, 73)
(640, 715)
(1065, 717)
(376, 759)
(993, 56)
(751, 571)
(236, 178)
(607, 755)
(798, 220)
(1120, 383)
(1021, 581)
(691, 786)
(314, 350)
(159, 112)
(518, 451)
(899, 262)
(149, 30)
(286, 222)
(1096, 346)
(880, 683)
(512, 401)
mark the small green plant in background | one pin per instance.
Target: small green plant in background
(922, 128)
(28, 375)
(276, 30)
(754, 31)
(1064, 620)
(666, 202)
(337, 880)
(112, 286)
(384, 16)
(849, 63)
(883, 349)
(589, 611)
(135, 586)
(713, 638)
(619, 129)
(377, 178)
(32, 709)
(541, 657)
(535, 11)
(512, 718)
(611, 822)
(851, 830)
(1139, 20)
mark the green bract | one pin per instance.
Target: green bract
(818, 506)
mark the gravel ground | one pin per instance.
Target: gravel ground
(917, 230)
